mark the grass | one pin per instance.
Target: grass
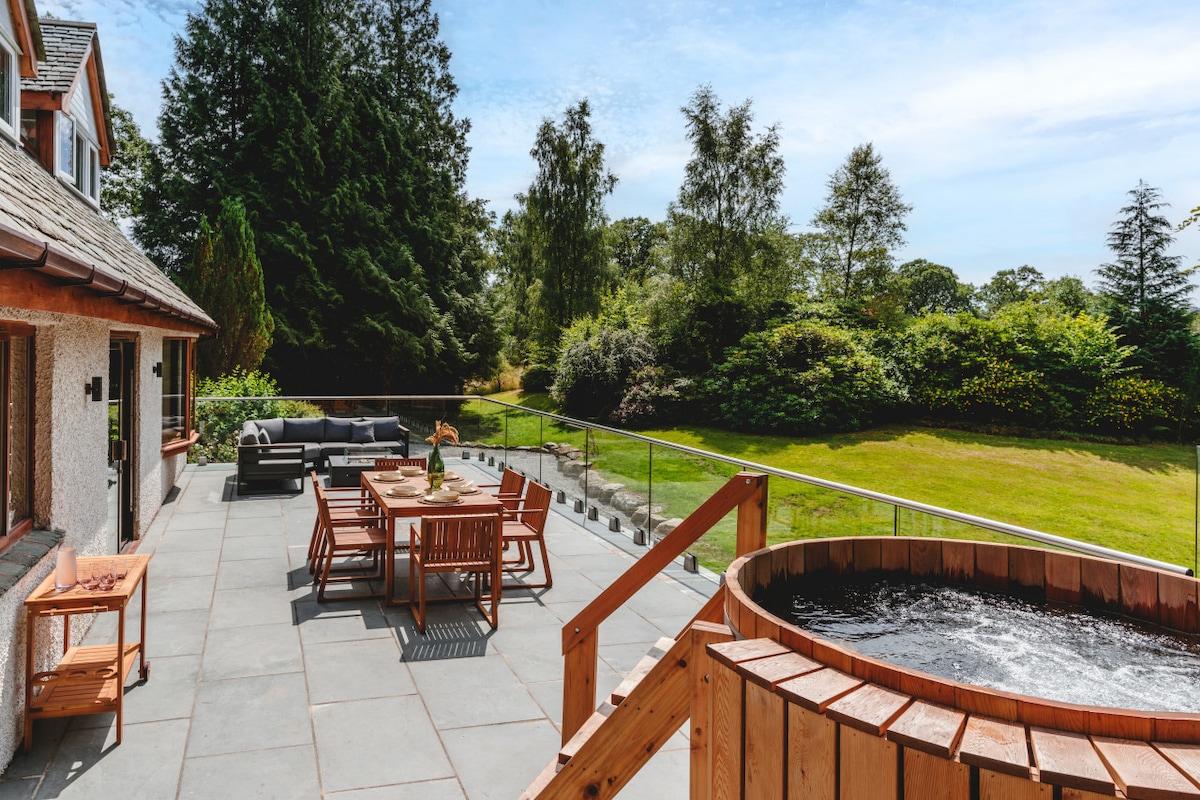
(1136, 498)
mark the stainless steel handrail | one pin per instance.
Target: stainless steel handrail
(899, 502)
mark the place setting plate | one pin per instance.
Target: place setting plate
(463, 488)
(430, 501)
(389, 477)
(404, 491)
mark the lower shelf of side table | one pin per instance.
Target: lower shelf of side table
(88, 680)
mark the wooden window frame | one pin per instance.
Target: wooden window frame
(8, 332)
(183, 444)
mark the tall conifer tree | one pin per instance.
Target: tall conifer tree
(228, 283)
(331, 118)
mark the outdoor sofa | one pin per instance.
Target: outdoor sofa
(283, 448)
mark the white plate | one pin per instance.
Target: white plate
(389, 477)
(428, 500)
(404, 491)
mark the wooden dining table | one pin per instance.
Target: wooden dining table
(414, 508)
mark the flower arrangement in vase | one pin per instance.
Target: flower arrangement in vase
(442, 432)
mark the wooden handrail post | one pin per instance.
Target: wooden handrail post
(579, 684)
(752, 516)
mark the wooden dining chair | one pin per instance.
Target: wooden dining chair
(342, 537)
(509, 489)
(528, 526)
(461, 543)
(382, 464)
(345, 503)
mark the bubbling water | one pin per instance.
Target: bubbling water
(1068, 654)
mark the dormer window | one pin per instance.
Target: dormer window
(10, 87)
(78, 159)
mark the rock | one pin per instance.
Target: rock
(607, 491)
(666, 526)
(573, 469)
(626, 502)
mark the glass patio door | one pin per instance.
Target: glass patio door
(121, 473)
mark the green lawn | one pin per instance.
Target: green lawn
(1140, 499)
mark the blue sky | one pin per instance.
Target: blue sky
(1013, 128)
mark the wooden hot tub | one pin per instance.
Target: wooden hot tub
(793, 715)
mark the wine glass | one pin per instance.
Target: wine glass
(107, 577)
(89, 576)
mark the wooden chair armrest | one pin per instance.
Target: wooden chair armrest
(519, 511)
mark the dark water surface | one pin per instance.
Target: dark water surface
(994, 640)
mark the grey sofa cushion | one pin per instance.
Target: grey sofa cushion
(362, 432)
(249, 433)
(386, 428)
(263, 436)
(304, 430)
(274, 429)
(337, 429)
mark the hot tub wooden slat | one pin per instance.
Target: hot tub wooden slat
(958, 562)
(869, 708)
(816, 690)
(1081, 794)
(998, 786)
(924, 726)
(893, 554)
(1142, 772)
(841, 556)
(1185, 757)
(762, 766)
(1062, 578)
(733, 653)
(931, 778)
(1139, 593)
(1100, 583)
(770, 671)
(1177, 602)
(925, 557)
(726, 733)
(1068, 759)
(991, 565)
(812, 754)
(868, 766)
(995, 744)
(1027, 568)
(867, 556)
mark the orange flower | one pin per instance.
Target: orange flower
(443, 431)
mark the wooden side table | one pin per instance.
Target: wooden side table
(89, 679)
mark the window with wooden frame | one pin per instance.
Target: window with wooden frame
(10, 87)
(16, 430)
(178, 395)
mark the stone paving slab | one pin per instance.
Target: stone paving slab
(257, 690)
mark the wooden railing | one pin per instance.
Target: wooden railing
(747, 492)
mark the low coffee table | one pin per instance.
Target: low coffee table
(347, 470)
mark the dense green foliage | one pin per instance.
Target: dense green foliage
(729, 196)
(564, 211)
(228, 284)
(351, 164)
(1145, 291)
(124, 177)
(802, 377)
(862, 221)
(220, 421)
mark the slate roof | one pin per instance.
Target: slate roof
(38, 207)
(66, 44)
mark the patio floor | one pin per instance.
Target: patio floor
(256, 690)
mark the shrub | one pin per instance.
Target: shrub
(537, 378)
(652, 399)
(220, 421)
(596, 365)
(802, 377)
(1133, 405)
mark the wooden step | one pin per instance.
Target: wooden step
(652, 657)
(593, 724)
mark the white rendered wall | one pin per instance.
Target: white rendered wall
(70, 468)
